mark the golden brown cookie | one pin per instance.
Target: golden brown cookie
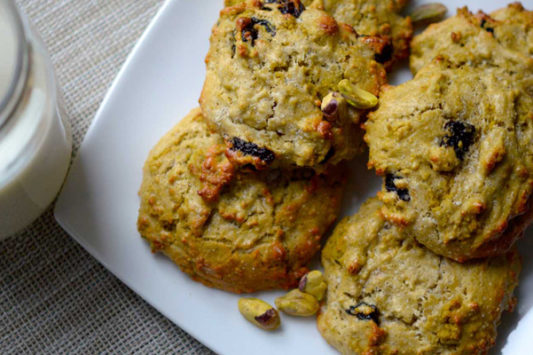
(376, 18)
(513, 27)
(389, 295)
(477, 39)
(455, 144)
(240, 232)
(269, 68)
(455, 148)
(370, 18)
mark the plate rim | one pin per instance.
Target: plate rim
(71, 230)
(57, 210)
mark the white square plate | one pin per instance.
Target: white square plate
(159, 84)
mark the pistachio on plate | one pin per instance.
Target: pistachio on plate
(426, 13)
(313, 283)
(297, 303)
(259, 313)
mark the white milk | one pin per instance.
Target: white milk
(35, 143)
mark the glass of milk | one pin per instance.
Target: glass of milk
(35, 137)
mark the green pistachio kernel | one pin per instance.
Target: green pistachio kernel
(429, 13)
(297, 303)
(313, 283)
(259, 313)
(356, 96)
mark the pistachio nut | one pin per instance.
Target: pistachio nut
(428, 12)
(333, 106)
(313, 283)
(297, 303)
(259, 313)
(356, 96)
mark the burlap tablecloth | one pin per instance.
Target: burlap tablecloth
(54, 297)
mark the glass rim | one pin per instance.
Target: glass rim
(10, 100)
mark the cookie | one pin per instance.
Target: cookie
(370, 18)
(236, 231)
(269, 67)
(513, 27)
(389, 295)
(455, 146)
(376, 18)
(477, 39)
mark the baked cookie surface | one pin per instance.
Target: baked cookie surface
(455, 144)
(389, 295)
(370, 18)
(269, 67)
(376, 18)
(455, 147)
(477, 39)
(513, 27)
(227, 229)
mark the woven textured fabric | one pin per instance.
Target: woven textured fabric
(54, 297)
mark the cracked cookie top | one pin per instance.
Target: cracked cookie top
(513, 27)
(375, 18)
(232, 230)
(455, 144)
(455, 148)
(389, 295)
(504, 37)
(370, 18)
(270, 65)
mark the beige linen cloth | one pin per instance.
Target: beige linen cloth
(54, 297)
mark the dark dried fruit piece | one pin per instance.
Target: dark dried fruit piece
(364, 311)
(485, 27)
(252, 149)
(329, 155)
(267, 25)
(390, 186)
(291, 7)
(461, 137)
(249, 31)
(381, 45)
(169, 225)
(385, 55)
